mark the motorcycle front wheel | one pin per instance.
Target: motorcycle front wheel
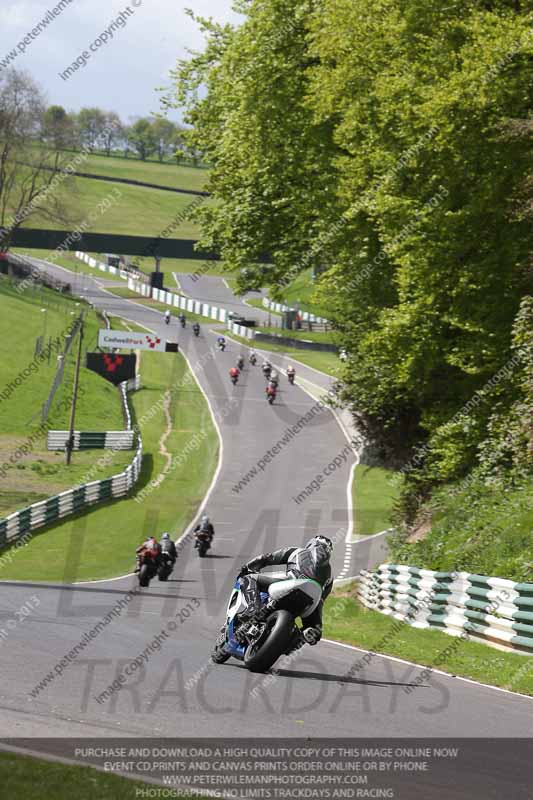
(261, 656)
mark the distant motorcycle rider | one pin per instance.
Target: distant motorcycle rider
(311, 561)
(168, 547)
(205, 526)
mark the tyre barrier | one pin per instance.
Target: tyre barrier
(48, 511)
(494, 610)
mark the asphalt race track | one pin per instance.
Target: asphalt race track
(325, 691)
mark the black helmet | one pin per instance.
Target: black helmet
(321, 542)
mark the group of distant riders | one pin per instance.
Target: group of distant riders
(271, 374)
(183, 322)
(165, 550)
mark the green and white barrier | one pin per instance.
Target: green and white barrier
(241, 330)
(493, 609)
(179, 301)
(115, 271)
(91, 440)
(280, 308)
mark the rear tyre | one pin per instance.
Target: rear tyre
(277, 638)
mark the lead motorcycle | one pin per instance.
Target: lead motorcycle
(260, 642)
(202, 543)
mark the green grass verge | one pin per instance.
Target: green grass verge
(374, 495)
(346, 620)
(323, 362)
(23, 777)
(105, 538)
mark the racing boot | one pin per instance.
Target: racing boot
(251, 595)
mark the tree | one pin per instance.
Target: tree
(91, 124)
(141, 136)
(31, 168)
(58, 127)
(112, 131)
(163, 132)
(375, 140)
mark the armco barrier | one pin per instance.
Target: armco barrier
(70, 502)
(492, 609)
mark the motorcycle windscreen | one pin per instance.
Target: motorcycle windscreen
(298, 595)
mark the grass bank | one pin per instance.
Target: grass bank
(477, 527)
(346, 620)
(124, 523)
(38, 473)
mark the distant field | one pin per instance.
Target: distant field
(117, 208)
(178, 177)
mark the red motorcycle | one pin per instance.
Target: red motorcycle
(271, 394)
(149, 563)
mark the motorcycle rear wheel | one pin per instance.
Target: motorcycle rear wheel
(259, 658)
(144, 575)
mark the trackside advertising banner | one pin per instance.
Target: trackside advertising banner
(128, 340)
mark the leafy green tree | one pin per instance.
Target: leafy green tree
(387, 144)
(141, 137)
(163, 132)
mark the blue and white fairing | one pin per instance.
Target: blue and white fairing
(237, 604)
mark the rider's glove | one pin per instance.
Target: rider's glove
(312, 635)
(244, 570)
